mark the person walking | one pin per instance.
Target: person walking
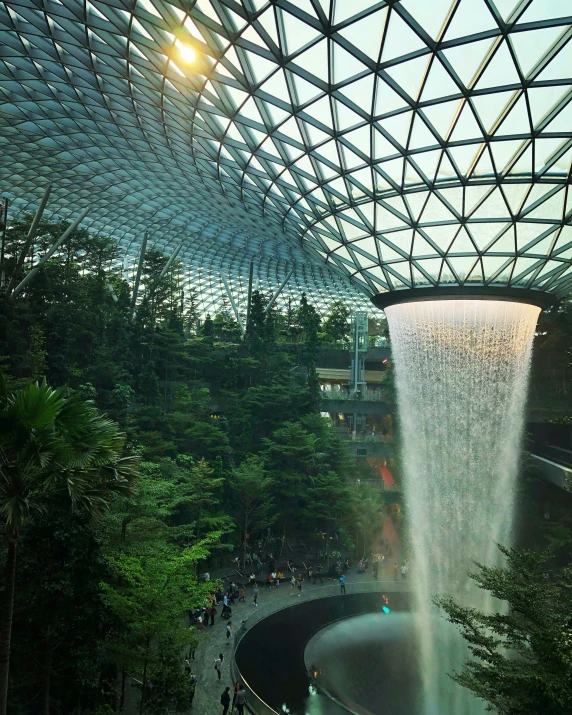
(228, 632)
(255, 593)
(218, 664)
(395, 571)
(240, 701)
(225, 700)
(212, 614)
(242, 594)
(342, 584)
(236, 689)
(375, 568)
(292, 584)
(300, 581)
(318, 573)
(403, 571)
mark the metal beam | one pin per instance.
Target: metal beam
(233, 304)
(282, 286)
(46, 257)
(249, 299)
(29, 238)
(170, 261)
(139, 271)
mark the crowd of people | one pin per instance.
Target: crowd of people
(233, 698)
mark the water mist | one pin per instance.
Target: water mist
(462, 370)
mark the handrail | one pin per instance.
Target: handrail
(257, 706)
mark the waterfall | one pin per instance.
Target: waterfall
(462, 371)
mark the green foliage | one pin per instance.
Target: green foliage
(230, 440)
(336, 327)
(523, 654)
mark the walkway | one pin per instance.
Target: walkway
(213, 641)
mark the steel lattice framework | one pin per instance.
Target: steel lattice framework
(367, 146)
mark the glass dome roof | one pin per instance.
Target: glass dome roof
(367, 146)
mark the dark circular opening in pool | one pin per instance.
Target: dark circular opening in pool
(367, 663)
(362, 657)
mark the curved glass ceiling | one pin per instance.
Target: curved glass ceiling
(369, 146)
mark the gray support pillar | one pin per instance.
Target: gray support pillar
(170, 261)
(282, 286)
(139, 271)
(249, 300)
(233, 304)
(29, 238)
(46, 257)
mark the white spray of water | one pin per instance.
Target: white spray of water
(462, 371)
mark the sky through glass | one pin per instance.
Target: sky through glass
(368, 146)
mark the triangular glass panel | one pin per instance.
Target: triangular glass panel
(527, 232)
(484, 234)
(421, 136)
(522, 268)
(462, 243)
(261, 68)
(463, 156)
(430, 16)
(343, 10)
(466, 126)
(500, 70)
(416, 201)
(360, 138)
(418, 277)
(321, 111)
(386, 99)
(402, 269)
(394, 169)
(421, 247)
(441, 116)
(543, 247)
(388, 253)
(476, 274)
(366, 34)
(398, 127)
(360, 92)
(399, 39)
(439, 83)
(427, 163)
(492, 264)
(315, 135)
(530, 47)
(470, 18)
(474, 194)
(345, 117)
(503, 152)
(484, 166)
(490, 106)
(559, 67)
(516, 121)
(431, 267)
(306, 91)
(523, 164)
(409, 75)
(544, 151)
(345, 65)
(315, 60)
(492, 207)
(466, 59)
(351, 160)
(277, 87)
(462, 266)
(546, 102)
(268, 23)
(297, 33)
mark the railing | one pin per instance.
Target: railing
(255, 704)
(369, 396)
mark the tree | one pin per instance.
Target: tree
(150, 595)
(51, 444)
(522, 656)
(336, 326)
(252, 505)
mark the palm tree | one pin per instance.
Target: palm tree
(52, 445)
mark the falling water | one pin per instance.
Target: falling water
(462, 371)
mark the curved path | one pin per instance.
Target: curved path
(213, 641)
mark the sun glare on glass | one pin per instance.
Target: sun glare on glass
(187, 53)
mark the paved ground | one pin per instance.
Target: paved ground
(213, 640)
